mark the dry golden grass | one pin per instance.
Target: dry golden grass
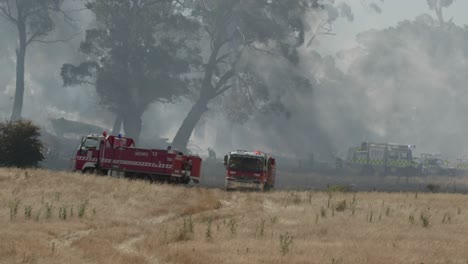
(135, 222)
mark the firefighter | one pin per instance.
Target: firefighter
(338, 163)
(188, 167)
(211, 153)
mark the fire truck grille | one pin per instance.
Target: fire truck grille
(242, 178)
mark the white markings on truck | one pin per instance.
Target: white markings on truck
(138, 163)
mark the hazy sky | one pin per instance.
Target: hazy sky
(393, 11)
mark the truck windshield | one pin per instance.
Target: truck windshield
(245, 163)
(90, 143)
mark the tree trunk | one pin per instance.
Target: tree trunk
(190, 122)
(440, 16)
(20, 59)
(200, 107)
(132, 124)
(117, 125)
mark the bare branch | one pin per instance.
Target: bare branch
(204, 6)
(221, 59)
(208, 31)
(33, 39)
(88, 82)
(225, 88)
(84, 4)
(7, 12)
(181, 3)
(223, 80)
(77, 10)
(263, 51)
(33, 36)
(321, 29)
(66, 15)
(35, 10)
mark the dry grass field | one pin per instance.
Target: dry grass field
(48, 217)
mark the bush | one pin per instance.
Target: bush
(433, 187)
(19, 144)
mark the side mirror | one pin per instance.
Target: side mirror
(272, 162)
(225, 160)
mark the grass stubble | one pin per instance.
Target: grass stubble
(52, 217)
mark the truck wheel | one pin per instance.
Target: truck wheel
(186, 180)
(148, 178)
(262, 187)
(89, 171)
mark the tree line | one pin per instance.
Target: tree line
(139, 52)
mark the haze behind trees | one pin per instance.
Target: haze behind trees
(210, 73)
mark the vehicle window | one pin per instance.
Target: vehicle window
(404, 155)
(393, 155)
(361, 155)
(253, 164)
(90, 143)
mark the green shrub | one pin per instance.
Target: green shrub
(48, 210)
(28, 211)
(433, 187)
(261, 227)
(187, 230)
(82, 208)
(20, 145)
(14, 205)
(323, 212)
(285, 243)
(63, 212)
(208, 229)
(411, 218)
(232, 226)
(424, 219)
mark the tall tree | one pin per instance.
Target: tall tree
(237, 30)
(421, 71)
(437, 6)
(138, 53)
(33, 21)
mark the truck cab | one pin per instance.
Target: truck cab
(249, 170)
(87, 155)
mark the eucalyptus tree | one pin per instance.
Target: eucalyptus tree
(137, 53)
(236, 32)
(33, 22)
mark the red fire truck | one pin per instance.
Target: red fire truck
(250, 170)
(117, 156)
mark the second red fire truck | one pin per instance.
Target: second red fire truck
(250, 170)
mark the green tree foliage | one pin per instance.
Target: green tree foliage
(19, 144)
(33, 21)
(138, 53)
(236, 31)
